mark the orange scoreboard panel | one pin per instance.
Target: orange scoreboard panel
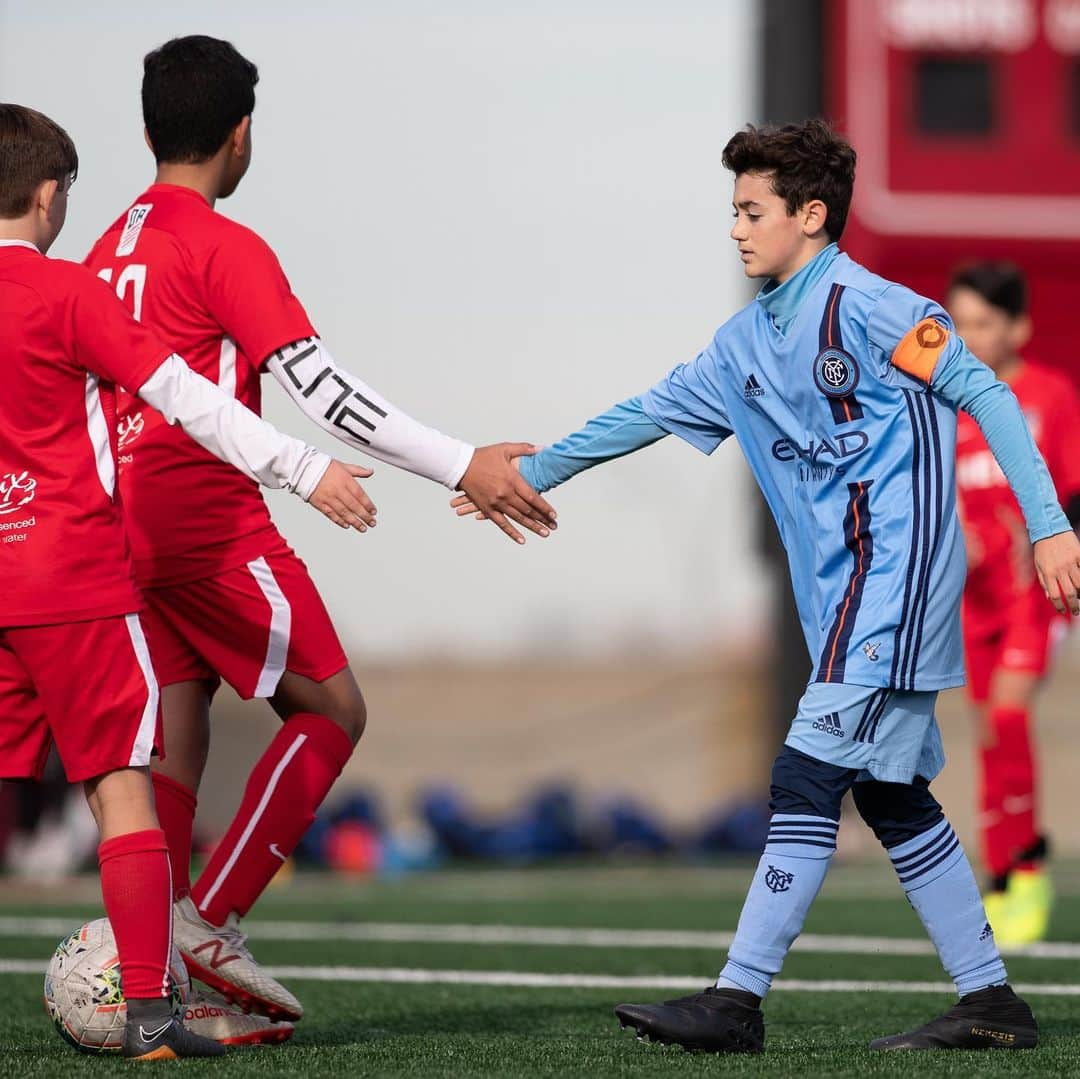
(966, 118)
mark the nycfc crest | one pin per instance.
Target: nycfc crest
(836, 372)
(778, 880)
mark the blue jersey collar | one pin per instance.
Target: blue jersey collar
(783, 302)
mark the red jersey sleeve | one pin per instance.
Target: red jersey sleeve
(249, 294)
(1063, 460)
(104, 338)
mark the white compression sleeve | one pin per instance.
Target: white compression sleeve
(229, 430)
(352, 411)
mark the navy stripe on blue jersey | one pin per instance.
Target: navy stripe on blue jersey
(926, 489)
(872, 713)
(830, 333)
(859, 540)
(934, 443)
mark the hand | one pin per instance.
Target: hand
(493, 489)
(339, 497)
(1057, 562)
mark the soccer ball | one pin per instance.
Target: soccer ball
(83, 995)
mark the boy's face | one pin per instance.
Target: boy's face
(991, 333)
(772, 242)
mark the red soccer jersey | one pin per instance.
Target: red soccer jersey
(216, 292)
(64, 342)
(1001, 585)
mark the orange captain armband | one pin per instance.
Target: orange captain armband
(920, 349)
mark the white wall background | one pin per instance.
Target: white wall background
(506, 220)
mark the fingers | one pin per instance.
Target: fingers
(358, 470)
(520, 449)
(460, 500)
(538, 505)
(340, 498)
(507, 527)
(523, 519)
(1068, 592)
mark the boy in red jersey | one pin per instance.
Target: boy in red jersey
(227, 598)
(75, 668)
(1009, 628)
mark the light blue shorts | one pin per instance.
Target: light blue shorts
(887, 734)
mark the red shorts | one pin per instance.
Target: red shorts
(1024, 645)
(87, 686)
(247, 625)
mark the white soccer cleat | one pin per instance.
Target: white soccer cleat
(215, 1018)
(219, 957)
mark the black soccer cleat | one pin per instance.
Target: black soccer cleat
(715, 1021)
(154, 1033)
(994, 1018)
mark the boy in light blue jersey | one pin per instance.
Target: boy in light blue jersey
(842, 390)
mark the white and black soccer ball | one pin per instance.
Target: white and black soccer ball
(83, 994)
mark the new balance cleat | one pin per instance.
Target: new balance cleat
(214, 1017)
(994, 1018)
(218, 956)
(152, 1032)
(715, 1021)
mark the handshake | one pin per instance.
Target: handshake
(492, 487)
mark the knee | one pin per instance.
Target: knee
(804, 785)
(350, 715)
(897, 812)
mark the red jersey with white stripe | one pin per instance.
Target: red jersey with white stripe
(1001, 585)
(215, 291)
(64, 343)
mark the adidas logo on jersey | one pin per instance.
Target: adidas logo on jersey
(752, 389)
(830, 724)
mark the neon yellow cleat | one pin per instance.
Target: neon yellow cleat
(1028, 901)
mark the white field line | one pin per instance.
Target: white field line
(526, 980)
(408, 933)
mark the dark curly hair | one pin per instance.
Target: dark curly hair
(805, 161)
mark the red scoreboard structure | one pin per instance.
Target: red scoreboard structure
(966, 118)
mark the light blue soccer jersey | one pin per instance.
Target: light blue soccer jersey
(854, 455)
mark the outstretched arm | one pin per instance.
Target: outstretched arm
(359, 415)
(929, 350)
(961, 379)
(230, 431)
(685, 403)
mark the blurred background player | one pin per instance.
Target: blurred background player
(1009, 628)
(227, 597)
(75, 668)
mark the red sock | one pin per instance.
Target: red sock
(138, 901)
(1008, 789)
(286, 786)
(176, 813)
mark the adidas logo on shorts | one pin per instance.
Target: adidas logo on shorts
(830, 724)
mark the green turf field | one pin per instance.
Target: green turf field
(406, 977)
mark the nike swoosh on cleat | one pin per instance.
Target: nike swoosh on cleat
(153, 1034)
(276, 853)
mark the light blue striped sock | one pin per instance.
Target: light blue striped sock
(787, 879)
(937, 877)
